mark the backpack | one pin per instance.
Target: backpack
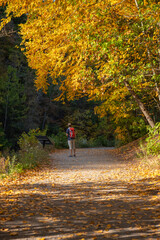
(71, 132)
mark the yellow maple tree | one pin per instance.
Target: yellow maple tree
(93, 45)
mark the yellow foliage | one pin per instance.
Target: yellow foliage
(61, 38)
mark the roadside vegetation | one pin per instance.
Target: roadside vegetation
(29, 156)
(143, 153)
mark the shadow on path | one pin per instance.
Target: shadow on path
(86, 210)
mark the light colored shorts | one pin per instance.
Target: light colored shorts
(71, 144)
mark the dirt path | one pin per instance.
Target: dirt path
(89, 165)
(88, 197)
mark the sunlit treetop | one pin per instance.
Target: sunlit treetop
(89, 42)
(48, 32)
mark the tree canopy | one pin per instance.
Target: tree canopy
(108, 50)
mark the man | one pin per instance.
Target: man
(70, 133)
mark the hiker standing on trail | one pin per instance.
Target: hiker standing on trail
(70, 133)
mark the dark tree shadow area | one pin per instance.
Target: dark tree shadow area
(114, 210)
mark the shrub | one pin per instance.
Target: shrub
(103, 141)
(82, 142)
(60, 139)
(9, 165)
(153, 140)
(31, 152)
(100, 141)
(3, 164)
(29, 156)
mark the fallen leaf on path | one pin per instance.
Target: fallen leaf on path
(4, 230)
(13, 234)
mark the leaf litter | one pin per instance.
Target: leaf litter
(97, 195)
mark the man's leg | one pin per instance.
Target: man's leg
(74, 147)
(70, 147)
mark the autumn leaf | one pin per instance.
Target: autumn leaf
(13, 234)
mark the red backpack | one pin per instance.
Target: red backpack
(72, 133)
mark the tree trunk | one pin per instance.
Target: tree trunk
(158, 104)
(140, 104)
(44, 119)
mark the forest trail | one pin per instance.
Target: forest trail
(89, 165)
(94, 195)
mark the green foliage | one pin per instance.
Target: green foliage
(9, 165)
(18, 99)
(84, 120)
(100, 141)
(29, 140)
(12, 101)
(14, 166)
(82, 142)
(90, 131)
(129, 129)
(31, 152)
(60, 139)
(103, 141)
(153, 140)
(136, 128)
(3, 165)
(30, 155)
(107, 60)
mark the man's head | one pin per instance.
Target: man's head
(69, 124)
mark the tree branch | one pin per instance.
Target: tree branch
(4, 33)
